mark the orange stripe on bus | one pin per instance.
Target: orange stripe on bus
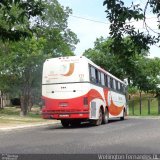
(71, 69)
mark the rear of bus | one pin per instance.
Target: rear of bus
(65, 84)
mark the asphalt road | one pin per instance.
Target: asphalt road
(128, 136)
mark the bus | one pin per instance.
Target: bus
(74, 90)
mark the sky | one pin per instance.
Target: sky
(88, 21)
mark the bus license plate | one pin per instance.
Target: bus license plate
(63, 104)
(64, 115)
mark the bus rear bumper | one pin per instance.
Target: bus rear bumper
(65, 115)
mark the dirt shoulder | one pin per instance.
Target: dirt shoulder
(10, 118)
(14, 122)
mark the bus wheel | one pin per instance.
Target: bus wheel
(105, 117)
(99, 120)
(122, 118)
(65, 123)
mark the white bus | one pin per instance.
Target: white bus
(74, 89)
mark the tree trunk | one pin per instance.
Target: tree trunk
(30, 102)
(26, 102)
(24, 105)
(1, 101)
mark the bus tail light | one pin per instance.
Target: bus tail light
(85, 101)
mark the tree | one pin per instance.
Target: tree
(25, 11)
(22, 68)
(118, 15)
(61, 40)
(145, 76)
(153, 74)
(21, 62)
(101, 55)
(122, 67)
(141, 71)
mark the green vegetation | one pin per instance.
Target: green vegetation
(9, 111)
(15, 112)
(30, 33)
(15, 18)
(120, 14)
(142, 72)
(11, 116)
(130, 45)
(144, 111)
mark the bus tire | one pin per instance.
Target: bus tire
(105, 119)
(65, 123)
(99, 120)
(122, 118)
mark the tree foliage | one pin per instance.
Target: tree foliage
(101, 55)
(21, 61)
(119, 16)
(22, 69)
(54, 28)
(25, 11)
(147, 77)
(142, 72)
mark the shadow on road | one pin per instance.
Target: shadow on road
(59, 126)
(82, 125)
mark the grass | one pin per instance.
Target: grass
(15, 111)
(10, 111)
(11, 115)
(144, 110)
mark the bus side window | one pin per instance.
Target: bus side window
(109, 82)
(102, 79)
(118, 86)
(121, 87)
(106, 80)
(98, 77)
(92, 74)
(114, 84)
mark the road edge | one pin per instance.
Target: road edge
(29, 126)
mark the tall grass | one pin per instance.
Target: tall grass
(13, 111)
(144, 108)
